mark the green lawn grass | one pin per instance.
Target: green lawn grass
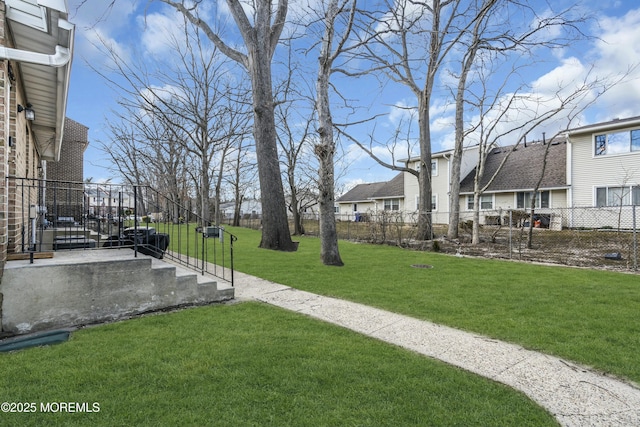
(248, 365)
(252, 364)
(588, 316)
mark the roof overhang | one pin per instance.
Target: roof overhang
(356, 201)
(518, 190)
(606, 126)
(43, 40)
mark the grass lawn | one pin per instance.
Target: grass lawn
(588, 316)
(248, 364)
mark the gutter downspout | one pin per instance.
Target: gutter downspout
(58, 59)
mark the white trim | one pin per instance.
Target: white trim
(616, 124)
(27, 13)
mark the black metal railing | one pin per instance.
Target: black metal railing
(50, 215)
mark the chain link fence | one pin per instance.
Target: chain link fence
(605, 237)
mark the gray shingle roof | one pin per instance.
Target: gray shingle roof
(375, 190)
(393, 188)
(522, 169)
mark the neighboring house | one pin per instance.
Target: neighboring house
(604, 170)
(103, 201)
(586, 167)
(440, 181)
(513, 185)
(35, 65)
(369, 199)
(605, 164)
(249, 209)
(402, 192)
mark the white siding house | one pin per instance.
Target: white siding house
(510, 183)
(604, 170)
(595, 166)
(440, 184)
(369, 199)
(605, 164)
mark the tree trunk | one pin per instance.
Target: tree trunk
(329, 253)
(275, 224)
(260, 40)
(454, 192)
(456, 160)
(236, 209)
(475, 233)
(205, 187)
(425, 230)
(297, 223)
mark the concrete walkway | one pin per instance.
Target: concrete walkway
(575, 395)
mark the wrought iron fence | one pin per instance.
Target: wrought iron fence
(57, 215)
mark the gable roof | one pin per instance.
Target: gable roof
(391, 189)
(522, 169)
(375, 190)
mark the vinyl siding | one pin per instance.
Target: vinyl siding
(589, 171)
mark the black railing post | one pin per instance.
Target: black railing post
(203, 244)
(231, 240)
(135, 221)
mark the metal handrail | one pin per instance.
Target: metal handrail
(48, 215)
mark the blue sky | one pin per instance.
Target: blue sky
(140, 26)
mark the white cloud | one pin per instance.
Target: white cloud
(98, 25)
(402, 112)
(159, 30)
(616, 52)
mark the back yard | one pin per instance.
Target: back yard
(251, 364)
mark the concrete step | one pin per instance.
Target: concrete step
(92, 286)
(200, 288)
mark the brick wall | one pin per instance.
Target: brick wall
(68, 202)
(4, 96)
(74, 143)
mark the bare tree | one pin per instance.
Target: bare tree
(409, 41)
(487, 42)
(294, 118)
(200, 104)
(241, 175)
(325, 149)
(292, 140)
(496, 125)
(260, 40)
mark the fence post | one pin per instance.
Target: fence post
(635, 240)
(510, 231)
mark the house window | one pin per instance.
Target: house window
(617, 196)
(486, 202)
(617, 142)
(434, 167)
(392, 204)
(523, 199)
(434, 202)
